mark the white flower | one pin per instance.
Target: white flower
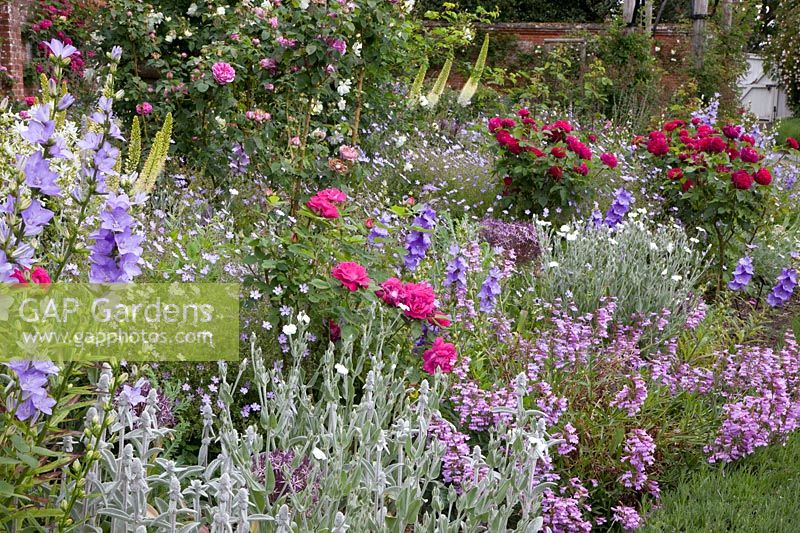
(572, 236)
(289, 329)
(676, 277)
(266, 325)
(400, 141)
(304, 4)
(221, 11)
(341, 104)
(318, 454)
(277, 291)
(303, 317)
(408, 167)
(357, 48)
(423, 101)
(653, 246)
(192, 9)
(220, 122)
(255, 294)
(344, 87)
(234, 192)
(316, 108)
(553, 264)
(341, 369)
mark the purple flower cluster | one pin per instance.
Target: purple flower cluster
(631, 398)
(116, 252)
(627, 517)
(291, 476)
(33, 377)
(419, 240)
(238, 160)
(477, 408)
(519, 237)
(490, 290)
(565, 512)
(784, 288)
(742, 274)
(639, 454)
(456, 270)
(456, 466)
(379, 232)
(622, 203)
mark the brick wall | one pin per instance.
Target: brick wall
(672, 45)
(13, 52)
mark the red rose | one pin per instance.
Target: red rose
(556, 171)
(508, 123)
(581, 169)
(763, 176)
(419, 300)
(558, 152)
(528, 121)
(688, 184)
(332, 195)
(535, 151)
(523, 112)
(733, 153)
(19, 276)
(440, 355)
(592, 138)
(352, 275)
(322, 207)
(731, 132)
(658, 147)
(749, 139)
(584, 152)
(609, 159)
(715, 145)
(675, 173)
(392, 292)
(507, 181)
(562, 125)
(749, 155)
(742, 180)
(334, 331)
(439, 319)
(369, 223)
(494, 124)
(792, 143)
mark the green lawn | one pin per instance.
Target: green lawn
(760, 493)
(788, 127)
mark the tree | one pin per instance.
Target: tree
(781, 50)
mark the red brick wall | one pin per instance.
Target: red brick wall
(13, 53)
(672, 44)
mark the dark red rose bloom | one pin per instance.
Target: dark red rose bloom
(535, 151)
(732, 132)
(688, 184)
(556, 171)
(791, 142)
(558, 152)
(749, 155)
(675, 173)
(494, 124)
(581, 169)
(523, 112)
(508, 123)
(658, 147)
(749, 139)
(741, 179)
(763, 176)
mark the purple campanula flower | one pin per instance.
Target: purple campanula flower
(40, 127)
(490, 290)
(39, 176)
(33, 377)
(116, 53)
(742, 274)
(456, 269)
(784, 288)
(116, 252)
(238, 160)
(622, 203)
(35, 217)
(65, 102)
(379, 232)
(417, 241)
(61, 50)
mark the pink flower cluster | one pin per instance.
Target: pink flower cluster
(325, 201)
(639, 454)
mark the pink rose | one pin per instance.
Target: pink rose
(420, 300)
(348, 153)
(352, 275)
(145, 108)
(392, 291)
(223, 73)
(40, 276)
(440, 355)
(332, 195)
(322, 207)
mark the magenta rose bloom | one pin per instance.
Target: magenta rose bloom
(749, 155)
(322, 207)
(223, 73)
(763, 176)
(392, 291)
(742, 179)
(332, 195)
(352, 275)
(420, 300)
(440, 355)
(609, 160)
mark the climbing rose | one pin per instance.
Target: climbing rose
(223, 73)
(742, 179)
(322, 207)
(440, 355)
(352, 275)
